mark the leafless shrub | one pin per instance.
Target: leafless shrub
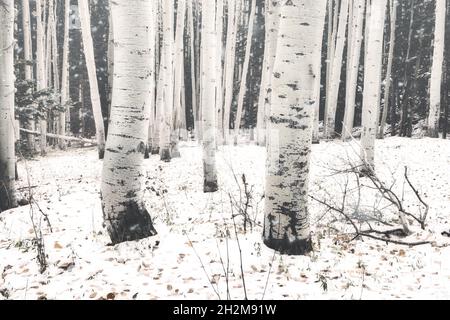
(362, 221)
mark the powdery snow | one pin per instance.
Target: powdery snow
(193, 226)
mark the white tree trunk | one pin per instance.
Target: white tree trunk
(333, 15)
(372, 82)
(168, 52)
(152, 34)
(336, 68)
(28, 56)
(243, 85)
(64, 75)
(41, 78)
(317, 86)
(354, 53)
(230, 60)
(88, 49)
(125, 215)
(219, 71)
(208, 96)
(393, 13)
(7, 153)
(286, 227)
(193, 61)
(178, 74)
(436, 71)
(272, 24)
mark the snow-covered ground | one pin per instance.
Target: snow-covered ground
(197, 243)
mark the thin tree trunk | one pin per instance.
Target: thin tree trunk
(209, 79)
(354, 52)
(88, 49)
(333, 19)
(168, 52)
(230, 60)
(387, 91)
(124, 211)
(65, 75)
(7, 140)
(178, 74)
(436, 71)
(28, 56)
(219, 71)
(41, 79)
(243, 86)
(190, 9)
(153, 31)
(286, 226)
(336, 69)
(372, 83)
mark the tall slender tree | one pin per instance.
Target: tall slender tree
(336, 68)
(124, 211)
(88, 49)
(354, 55)
(208, 96)
(372, 82)
(286, 225)
(437, 70)
(7, 153)
(65, 75)
(245, 67)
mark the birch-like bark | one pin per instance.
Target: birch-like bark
(110, 60)
(125, 215)
(230, 60)
(193, 61)
(437, 70)
(286, 226)
(168, 52)
(243, 85)
(41, 78)
(387, 90)
(372, 83)
(208, 96)
(64, 76)
(336, 68)
(28, 56)
(317, 85)
(219, 71)
(260, 117)
(7, 153)
(178, 74)
(88, 49)
(272, 24)
(333, 19)
(354, 52)
(152, 34)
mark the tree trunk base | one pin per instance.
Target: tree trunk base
(147, 152)
(155, 150)
(133, 224)
(298, 247)
(165, 155)
(210, 186)
(432, 133)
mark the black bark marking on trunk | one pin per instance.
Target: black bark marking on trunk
(133, 223)
(210, 187)
(155, 150)
(165, 155)
(297, 247)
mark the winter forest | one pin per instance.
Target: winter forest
(224, 149)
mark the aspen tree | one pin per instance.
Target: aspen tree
(286, 225)
(125, 215)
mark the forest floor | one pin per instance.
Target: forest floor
(196, 252)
